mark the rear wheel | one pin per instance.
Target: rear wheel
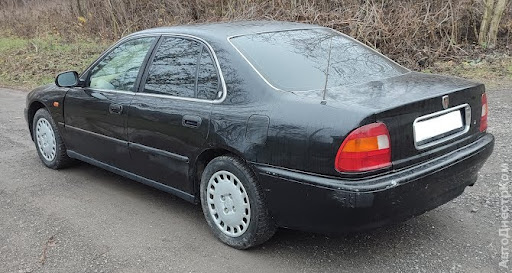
(49, 144)
(233, 204)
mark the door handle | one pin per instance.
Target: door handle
(115, 108)
(191, 121)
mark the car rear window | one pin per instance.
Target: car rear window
(297, 60)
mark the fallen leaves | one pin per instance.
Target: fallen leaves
(51, 242)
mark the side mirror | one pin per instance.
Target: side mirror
(67, 79)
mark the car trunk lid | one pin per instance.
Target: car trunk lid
(426, 114)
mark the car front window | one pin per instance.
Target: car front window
(298, 60)
(119, 69)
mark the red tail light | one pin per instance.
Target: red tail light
(366, 148)
(485, 112)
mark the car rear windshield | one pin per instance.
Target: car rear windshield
(297, 60)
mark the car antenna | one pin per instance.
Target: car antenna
(327, 73)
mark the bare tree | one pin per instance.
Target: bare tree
(490, 22)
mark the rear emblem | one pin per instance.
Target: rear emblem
(446, 101)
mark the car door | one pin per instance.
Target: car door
(95, 115)
(168, 119)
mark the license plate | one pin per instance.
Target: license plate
(437, 126)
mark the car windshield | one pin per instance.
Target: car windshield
(297, 60)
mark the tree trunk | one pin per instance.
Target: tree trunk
(490, 22)
(499, 8)
(486, 19)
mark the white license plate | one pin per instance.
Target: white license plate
(436, 126)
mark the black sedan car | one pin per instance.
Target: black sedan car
(266, 125)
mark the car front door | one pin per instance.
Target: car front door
(168, 119)
(95, 115)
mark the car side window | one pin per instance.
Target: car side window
(184, 68)
(207, 78)
(119, 69)
(174, 68)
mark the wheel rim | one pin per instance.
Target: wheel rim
(228, 203)
(46, 139)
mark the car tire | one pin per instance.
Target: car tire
(235, 208)
(49, 144)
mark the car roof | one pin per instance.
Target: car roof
(223, 30)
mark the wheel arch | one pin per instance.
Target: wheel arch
(31, 112)
(204, 158)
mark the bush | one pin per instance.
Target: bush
(414, 32)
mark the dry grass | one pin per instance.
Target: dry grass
(27, 63)
(495, 70)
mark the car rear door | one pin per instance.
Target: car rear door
(95, 115)
(168, 119)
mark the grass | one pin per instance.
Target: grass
(493, 69)
(27, 63)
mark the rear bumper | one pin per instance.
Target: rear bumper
(326, 204)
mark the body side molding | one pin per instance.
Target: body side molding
(186, 196)
(134, 145)
(113, 139)
(157, 151)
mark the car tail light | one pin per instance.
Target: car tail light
(366, 148)
(485, 112)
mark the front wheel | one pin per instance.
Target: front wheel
(233, 204)
(49, 144)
